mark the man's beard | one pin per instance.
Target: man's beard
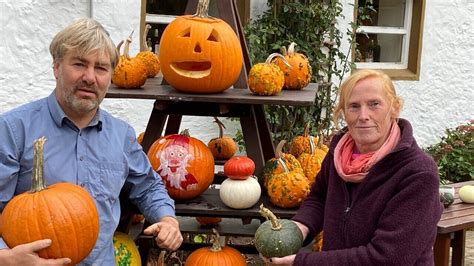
(82, 105)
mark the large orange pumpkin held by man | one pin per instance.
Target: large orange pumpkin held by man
(199, 53)
(185, 164)
(62, 212)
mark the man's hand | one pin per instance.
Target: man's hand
(26, 254)
(167, 233)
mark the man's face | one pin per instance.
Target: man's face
(81, 82)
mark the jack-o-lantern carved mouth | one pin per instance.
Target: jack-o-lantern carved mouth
(192, 69)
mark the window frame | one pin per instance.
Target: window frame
(409, 68)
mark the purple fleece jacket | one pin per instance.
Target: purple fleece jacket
(389, 218)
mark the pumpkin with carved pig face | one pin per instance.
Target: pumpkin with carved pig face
(200, 54)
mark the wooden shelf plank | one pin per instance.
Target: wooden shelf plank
(155, 91)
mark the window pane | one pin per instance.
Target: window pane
(385, 13)
(168, 7)
(386, 48)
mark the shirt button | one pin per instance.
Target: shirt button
(81, 158)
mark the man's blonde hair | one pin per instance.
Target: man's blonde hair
(346, 89)
(83, 36)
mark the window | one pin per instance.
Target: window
(389, 37)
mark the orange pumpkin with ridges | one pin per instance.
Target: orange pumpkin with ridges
(62, 212)
(200, 54)
(185, 164)
(216, 255)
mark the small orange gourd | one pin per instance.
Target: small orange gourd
(311, 162)
(222, 147)
(129, 72)
(185, 164)
(300, 144)
(148, 58)
(288, 189)
(217, 255)
(62, 212)
(299, 75)
(266, 78)
(277, 165)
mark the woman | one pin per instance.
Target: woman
(376, 196)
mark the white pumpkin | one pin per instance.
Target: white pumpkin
(240, 194)
(466, 194)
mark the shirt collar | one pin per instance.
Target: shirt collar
(59, 116)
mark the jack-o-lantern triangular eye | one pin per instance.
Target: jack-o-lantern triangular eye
(185, 33)
(213, 37)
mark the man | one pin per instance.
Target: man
(87, 147)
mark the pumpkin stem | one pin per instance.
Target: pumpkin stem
(126, 49)
(185, 132)
(270, 59)
(279, 154)
(119, 46)
(291, 49)
(202, 9)
(283, 50)
(144, 43)
(221, 127)
(161, 258)
(311, 145)
(270, 216)
(38, 162)
(216, 245)
(306, 130)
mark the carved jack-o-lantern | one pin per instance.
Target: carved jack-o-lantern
(200, 54)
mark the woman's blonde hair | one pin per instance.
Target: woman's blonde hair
(346, 89)
(83, 36)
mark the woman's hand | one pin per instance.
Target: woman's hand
(168, 235)
(303, 228)
(287, 260)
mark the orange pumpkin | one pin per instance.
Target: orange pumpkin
(223, 147)
(62, 212)
(200, 54)
(129, 72)
(299, 75)
(0, 224)
(184, 163)
(311, 162)
(216, 255)
(208, 221)
(148, 58)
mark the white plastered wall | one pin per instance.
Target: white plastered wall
(443, 97)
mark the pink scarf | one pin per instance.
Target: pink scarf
(353, 167)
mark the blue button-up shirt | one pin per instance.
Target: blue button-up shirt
(101, 157)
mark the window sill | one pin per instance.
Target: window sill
(399, 74)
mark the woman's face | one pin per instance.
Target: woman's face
(368, 114)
